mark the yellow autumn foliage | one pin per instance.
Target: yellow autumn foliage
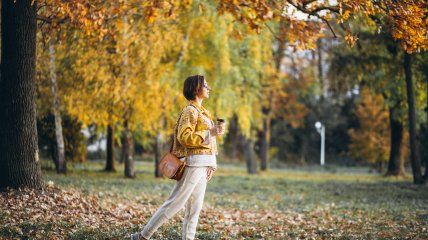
(372, 140)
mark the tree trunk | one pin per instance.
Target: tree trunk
(123, 149)
(283, 32)
(414, 153)
(396, 161)
(158, 152)
(110, 149)
(380, 167)
(320, 69)
(233, 138)
(19, 159)
(124, 46)
(303, 150)
(54, 154)
(61, 166)
(248, 145)
(426, 147)
(128, 146)
(264, 144)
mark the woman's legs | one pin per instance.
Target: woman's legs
(179, 196)
(193, 208)
(157, 220)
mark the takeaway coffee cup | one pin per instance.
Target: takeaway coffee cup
(221, 122)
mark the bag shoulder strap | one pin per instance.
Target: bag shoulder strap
(176, 126)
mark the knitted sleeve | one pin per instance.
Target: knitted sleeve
(187, 134)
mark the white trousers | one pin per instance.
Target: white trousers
(189, 192)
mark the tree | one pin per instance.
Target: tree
(414, 152)
(18, 141)
(61, 164)
(127, 140)
(379, 69)
(19, 162)
(110, 149)
(371, 141)
(396, 153)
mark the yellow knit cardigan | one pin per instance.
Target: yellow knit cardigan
(191, 133)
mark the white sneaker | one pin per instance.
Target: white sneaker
(136, 236)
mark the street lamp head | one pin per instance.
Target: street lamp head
(318, 125)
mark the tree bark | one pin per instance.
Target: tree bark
(54, 154)
(248, 145)
(303, 150)
(426, 146)
(234, 133)
(320, 69)
(265, 144)
(268, 111)
(124, 46)
(128, 146)
(61, 166)
(414, 153)
(380, 166)
(123, 149)
(110, 149)
(158, 152)
(233, 139)
(396, 161)
(19, 159)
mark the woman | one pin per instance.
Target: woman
(194, 139)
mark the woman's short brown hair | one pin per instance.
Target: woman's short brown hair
(192, 85)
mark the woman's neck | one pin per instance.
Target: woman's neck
(198, 101)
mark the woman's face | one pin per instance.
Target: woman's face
(205, 91)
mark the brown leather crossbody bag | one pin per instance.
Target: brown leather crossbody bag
(171, 167)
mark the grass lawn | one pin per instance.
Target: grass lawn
(300, 203)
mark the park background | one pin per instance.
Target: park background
(107, 89)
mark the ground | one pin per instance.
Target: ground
(291, 203)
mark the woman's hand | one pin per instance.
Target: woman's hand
(210, 173)
(213, 131)
(221, 128)
(217, 130)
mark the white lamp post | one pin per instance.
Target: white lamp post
(321, 131)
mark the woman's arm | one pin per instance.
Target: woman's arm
(188, 135)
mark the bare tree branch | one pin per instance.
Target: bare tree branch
(273, 33)
(331, 28)
(51, 20)
(322, 8)
(313, 12)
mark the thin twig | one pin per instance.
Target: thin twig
(329, 26)
(273, 33)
